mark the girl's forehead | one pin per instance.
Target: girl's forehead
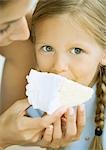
(66, 29)
(15, 9)
(63, 23)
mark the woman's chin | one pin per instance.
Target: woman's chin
(6, 43)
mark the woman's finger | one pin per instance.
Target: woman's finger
(37, 138)
(19, 107)
(29, 135)
(39, 123)
(50, 119)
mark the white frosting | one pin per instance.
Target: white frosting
(48, 91)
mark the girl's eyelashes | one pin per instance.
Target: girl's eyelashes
(2, 31)
(47, 48)
(74, 51)
(77, 51)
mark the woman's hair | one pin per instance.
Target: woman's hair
(91, 14)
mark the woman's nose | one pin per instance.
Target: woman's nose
(21, 31)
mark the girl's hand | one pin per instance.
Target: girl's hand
(65, 130)
(75, 123)
(18, 129)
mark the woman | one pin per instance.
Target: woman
(19, 60)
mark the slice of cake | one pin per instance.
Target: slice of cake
(48, 91)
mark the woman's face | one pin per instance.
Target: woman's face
(13, 25)
(63, 47)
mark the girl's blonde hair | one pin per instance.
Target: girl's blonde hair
(91, 14)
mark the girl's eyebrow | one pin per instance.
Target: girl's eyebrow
(40, 43)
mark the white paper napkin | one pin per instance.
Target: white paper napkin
(48, 91)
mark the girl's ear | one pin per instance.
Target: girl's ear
(103, 60)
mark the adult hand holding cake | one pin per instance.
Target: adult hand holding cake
(48, 91)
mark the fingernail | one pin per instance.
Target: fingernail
(63, 109)
(50, 127)
(82, 107)
(71, 111)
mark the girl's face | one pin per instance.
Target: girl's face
(13, 25)
(63, 47)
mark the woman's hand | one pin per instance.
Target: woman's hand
(65, 130)
(18, 129)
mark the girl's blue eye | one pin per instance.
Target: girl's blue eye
(47, 48)
(76, 51)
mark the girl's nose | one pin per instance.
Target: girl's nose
(60, 65)
(21, 30)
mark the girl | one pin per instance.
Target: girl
(70, 40)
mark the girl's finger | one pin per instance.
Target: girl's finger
(57, 134)
(71, 128)
(47, 136)
(81, 119)
(63, 125)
